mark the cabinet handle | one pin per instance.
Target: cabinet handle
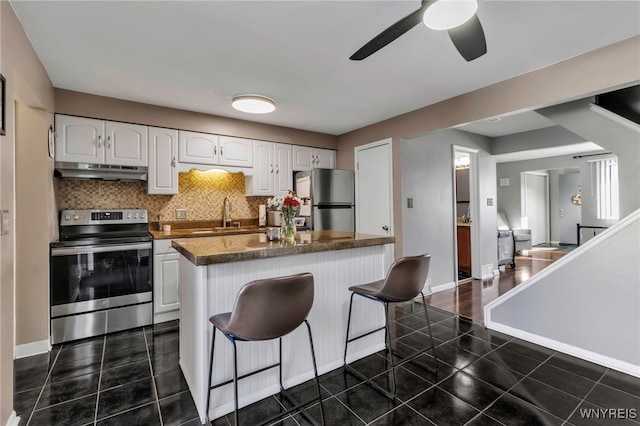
(173, 162)
(386, 228)
(215, 150)
(221, 153)
(271, 169)
(277, 169)
(109, 142)
(99, 141)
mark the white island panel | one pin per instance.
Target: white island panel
(211, 289)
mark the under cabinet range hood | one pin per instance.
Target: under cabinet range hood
(65, 170)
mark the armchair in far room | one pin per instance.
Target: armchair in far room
(522, 236)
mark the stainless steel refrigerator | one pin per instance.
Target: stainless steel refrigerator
(327, 199)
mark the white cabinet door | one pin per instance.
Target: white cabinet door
(198, 148)
(163, 157)
(236, 152)
(261, 183)
(79, 140)
(302, 158)
(165, 283)
(324, 159)
(283, 173)
(126, 144)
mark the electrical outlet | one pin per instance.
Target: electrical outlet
(181, 213)
(409, 203)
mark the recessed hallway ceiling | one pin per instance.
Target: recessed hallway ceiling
(197, 55)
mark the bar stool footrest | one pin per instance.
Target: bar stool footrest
(297, 406)
(368, 381)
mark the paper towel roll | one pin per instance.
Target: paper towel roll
(262, 215)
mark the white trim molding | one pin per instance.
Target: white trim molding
(33, 348)
(14, 420)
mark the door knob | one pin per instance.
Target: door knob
(386, 228)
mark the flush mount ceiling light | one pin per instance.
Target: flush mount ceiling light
(253, 104)
(447, 14)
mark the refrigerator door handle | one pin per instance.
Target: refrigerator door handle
(334, 206)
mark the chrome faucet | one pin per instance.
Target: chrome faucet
(226, 211)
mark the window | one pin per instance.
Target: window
(604, 187)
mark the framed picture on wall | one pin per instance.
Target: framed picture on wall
(2, 105)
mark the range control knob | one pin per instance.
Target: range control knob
(76, 217)
(67, 217)
(135, 216)
(128, 215)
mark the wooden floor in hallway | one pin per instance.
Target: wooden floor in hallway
(469, 298)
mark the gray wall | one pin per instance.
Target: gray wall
(427, 177)
(589, 300)
(509, 200)
(622, 141)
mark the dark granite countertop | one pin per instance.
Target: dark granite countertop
(234, 248)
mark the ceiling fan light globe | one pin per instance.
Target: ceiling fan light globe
(253, 104)
(447, 14)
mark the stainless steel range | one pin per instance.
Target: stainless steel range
(101, 273)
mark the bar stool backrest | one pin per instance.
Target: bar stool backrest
(270, 308)
(406, 278)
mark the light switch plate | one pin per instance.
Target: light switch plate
(504, 181)
(489, 201)
(181, 213)
(5, 221)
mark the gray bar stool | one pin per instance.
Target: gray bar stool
(264, 310)
(403, 283)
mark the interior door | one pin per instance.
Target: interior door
(373, 202)
(537, 207)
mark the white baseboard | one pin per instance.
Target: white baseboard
(578, 352)
(33, 348)
(14, 420)
(166, 316)
(443, 287)
(554, 243)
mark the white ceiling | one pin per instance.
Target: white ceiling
(197, 55)
(507, 125)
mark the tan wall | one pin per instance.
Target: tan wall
(86, 105)
(594, 72)
(201, 193)
(33, 168)
(28, 81)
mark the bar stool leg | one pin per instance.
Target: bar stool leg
(387, 343)
(315, 370)
(235, 381)
(213, 342)
(346, 339)
(433, 346)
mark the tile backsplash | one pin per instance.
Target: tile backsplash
(201, 193)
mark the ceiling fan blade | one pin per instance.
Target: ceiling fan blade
(469, 39)
(390, 34)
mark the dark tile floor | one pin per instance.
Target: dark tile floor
(484, 378)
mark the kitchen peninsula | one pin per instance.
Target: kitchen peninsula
(212, 271)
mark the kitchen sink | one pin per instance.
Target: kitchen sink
(219, 230)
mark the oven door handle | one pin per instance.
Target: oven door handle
(66, 251)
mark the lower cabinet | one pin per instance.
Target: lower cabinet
(464, 249)
(166, 299)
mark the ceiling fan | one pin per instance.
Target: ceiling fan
(457, 17)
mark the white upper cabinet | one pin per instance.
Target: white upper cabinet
(324, 159)
(79, 140)
(236, 152)
(198, 148)
(87, 140)
(272, 172)
(126, 144)
(163, 157)
(283, 173)
(307, 158)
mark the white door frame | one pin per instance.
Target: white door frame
(474, 204)
(389, 248)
